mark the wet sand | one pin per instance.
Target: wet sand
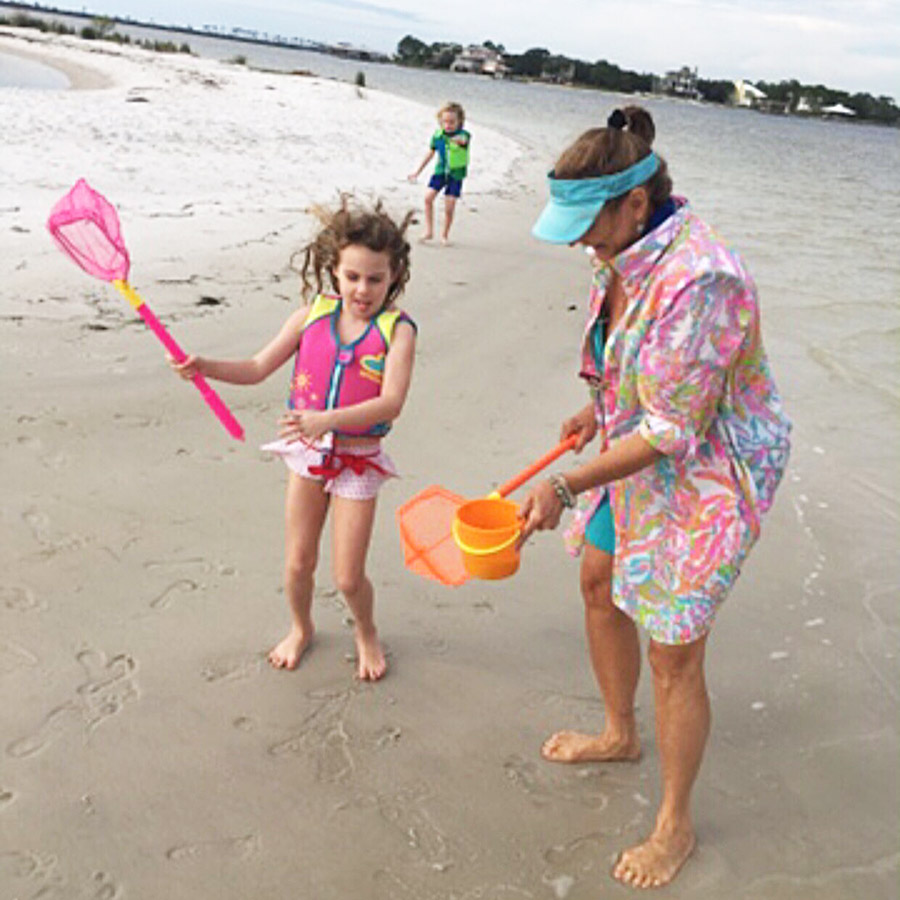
(147, 748)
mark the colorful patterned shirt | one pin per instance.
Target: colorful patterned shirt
(685, 367)
(453, 156)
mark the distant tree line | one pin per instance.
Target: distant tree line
(540, 63)
(100, 29)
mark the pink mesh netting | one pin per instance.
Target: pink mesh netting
(85, 225)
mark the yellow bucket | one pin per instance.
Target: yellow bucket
(486, 531)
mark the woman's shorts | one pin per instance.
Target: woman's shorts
(600, 532)
(453, 185)
(348, 482)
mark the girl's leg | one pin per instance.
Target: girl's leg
(428, 234)
(682, 727)
(305, 507)
(449, 209)
(352, 521)
(616, 659)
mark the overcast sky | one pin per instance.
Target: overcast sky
(849, 44)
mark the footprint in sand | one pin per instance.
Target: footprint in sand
(13, 656)
(109, 686)
(19, 598)
(232, 669)
(38, 870)
(569, 864)
(407, 811)
(545, 785)
(7, 798)
(102, 887)
(234, 848)
(323, 736)
(176, 588)
(39, 523)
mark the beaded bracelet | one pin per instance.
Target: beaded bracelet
(562, 490)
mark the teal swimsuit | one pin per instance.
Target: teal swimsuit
(600, 532)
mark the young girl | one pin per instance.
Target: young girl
(451, 143)
(353, 354)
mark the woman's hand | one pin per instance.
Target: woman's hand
(189, 367)
(540, 511)
(583, 424)
(308, 424)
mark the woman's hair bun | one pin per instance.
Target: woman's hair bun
(616, 120)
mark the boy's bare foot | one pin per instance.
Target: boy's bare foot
(657, 861)
(371, 662)
(571, 746)
(287, 652)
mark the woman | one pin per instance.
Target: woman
(693, 444)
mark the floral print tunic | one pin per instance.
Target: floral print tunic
(685, 367)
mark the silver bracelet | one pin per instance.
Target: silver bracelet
(562, 490)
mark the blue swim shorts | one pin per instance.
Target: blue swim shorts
(600, 532)
(453, 185)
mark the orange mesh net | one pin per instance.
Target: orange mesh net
(425, 531)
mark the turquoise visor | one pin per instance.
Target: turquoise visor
(575, 203)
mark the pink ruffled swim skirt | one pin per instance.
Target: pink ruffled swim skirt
(355, 473)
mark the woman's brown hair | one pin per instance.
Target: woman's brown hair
(627, 138)
(354, 224)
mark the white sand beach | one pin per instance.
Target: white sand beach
(146, 748)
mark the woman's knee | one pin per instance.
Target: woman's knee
(596, 582)
(674, 663)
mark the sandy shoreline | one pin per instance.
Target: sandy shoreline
(147, 748)
(81, 77)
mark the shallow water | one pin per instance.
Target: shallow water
(16, 72)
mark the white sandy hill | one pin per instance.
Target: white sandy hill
(199, 157)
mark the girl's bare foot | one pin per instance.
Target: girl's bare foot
(371, 662)
(425, 238)
(571, 746)
(286, 654)
(657, 861)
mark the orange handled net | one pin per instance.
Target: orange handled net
(426, 524)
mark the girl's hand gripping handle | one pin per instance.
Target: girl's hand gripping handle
(213, 400)
(529, 473)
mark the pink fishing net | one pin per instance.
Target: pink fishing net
(85, 225)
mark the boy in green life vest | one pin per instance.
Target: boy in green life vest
(451, 144)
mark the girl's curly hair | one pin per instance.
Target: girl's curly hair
(349, 224)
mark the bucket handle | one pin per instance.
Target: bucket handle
(482, 551)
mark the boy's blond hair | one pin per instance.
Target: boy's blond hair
(454, 108)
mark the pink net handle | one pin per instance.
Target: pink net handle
(85, 225)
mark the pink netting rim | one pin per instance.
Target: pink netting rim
(85, 225)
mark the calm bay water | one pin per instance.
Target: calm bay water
(17, 72)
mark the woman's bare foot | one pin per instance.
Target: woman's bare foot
(371, 662)
(287, 652)
(657, 861)
(425, 238)
(571, 746)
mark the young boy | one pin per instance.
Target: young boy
(451, 143)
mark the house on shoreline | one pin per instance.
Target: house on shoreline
(678, 83)
(480, 60)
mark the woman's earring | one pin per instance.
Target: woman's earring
(639, 227)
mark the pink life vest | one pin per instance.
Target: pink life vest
(332, 375)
